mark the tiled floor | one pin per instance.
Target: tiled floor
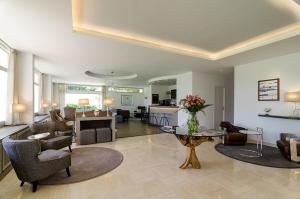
(150, 170)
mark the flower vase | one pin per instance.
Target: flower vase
(193, 123)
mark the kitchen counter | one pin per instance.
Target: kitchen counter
(170, 112)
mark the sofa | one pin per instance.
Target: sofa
(124, 113)
(233, 136)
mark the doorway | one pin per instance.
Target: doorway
(219, 114)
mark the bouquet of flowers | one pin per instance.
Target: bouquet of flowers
(193, 104)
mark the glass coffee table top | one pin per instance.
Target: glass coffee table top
(202, 132)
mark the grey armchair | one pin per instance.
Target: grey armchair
(30, 165)
(54, 141)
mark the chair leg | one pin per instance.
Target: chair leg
(68, 171)
(34, 186)
(22, 183)
(70, 148)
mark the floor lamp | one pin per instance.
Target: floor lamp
(83, 102)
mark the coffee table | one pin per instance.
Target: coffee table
(192, 141)
(259, 141)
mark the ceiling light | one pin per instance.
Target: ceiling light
(111, 75)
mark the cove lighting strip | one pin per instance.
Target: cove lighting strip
(259, 41)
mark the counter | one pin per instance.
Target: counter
(170, 112)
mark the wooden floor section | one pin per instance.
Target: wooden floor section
(150, 170)
(136, 127)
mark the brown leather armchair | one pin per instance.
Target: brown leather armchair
(60, 122)
(284, 145)
(233, 136)
(69, 113)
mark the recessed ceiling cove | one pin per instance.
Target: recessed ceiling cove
(211, 29)
(111, 75)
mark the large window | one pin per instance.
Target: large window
(36, 91)
(3, 84)
(125, 90)
(76, 92)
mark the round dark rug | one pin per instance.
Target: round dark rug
(87, 163)
(271, 155)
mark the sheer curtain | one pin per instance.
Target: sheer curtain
(59, 92)
(10, 87)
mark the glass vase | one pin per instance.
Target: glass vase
(193, 123)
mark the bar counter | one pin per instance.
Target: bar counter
(170, 112)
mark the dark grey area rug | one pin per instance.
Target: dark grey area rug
(87, 163)
(271, 155)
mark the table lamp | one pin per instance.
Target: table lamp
(54, 105)
(19, 108)
(83, 102)
(45, 107)
(107, 102)
(293, 97)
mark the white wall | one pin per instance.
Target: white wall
(138, 100)
(247, 107)
(204, 84)
(24, 84)
(184, 87)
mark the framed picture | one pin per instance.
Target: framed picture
(269, 90)
(126, 100)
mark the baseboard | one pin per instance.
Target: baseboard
(5, 172)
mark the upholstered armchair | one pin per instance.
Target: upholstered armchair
(60, 123)
(233, 136)
(30, 164)
(289, 146)
(54, 141)
(69, 113)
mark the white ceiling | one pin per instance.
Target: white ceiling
(45, 29)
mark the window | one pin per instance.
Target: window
(3, 83)
(36, 91)
(76, 92)
(125, 90)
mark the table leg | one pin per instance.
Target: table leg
(191, 159)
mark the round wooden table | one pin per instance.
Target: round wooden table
(191, 141)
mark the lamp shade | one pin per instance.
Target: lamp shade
(108, 102)
(19, 108)
(292, 97)
(83, 102)
(45, 105)
(54, 105)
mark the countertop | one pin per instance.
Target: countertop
(157, 106)
(9, 130)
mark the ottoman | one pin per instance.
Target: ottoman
(103, 135)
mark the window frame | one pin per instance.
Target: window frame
(4, 69)
(34, 93)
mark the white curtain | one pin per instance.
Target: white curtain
(41, 91)
(10, 87)
(59, 92)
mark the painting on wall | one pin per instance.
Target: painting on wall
(126, 100)
(268, 90)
